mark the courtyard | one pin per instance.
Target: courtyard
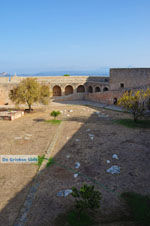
(87, 136)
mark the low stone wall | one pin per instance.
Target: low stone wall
(11, 115)
(107, 97)
(76, 96)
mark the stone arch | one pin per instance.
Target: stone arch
(115, 101)
(97, 89)
(68, 90)
(90, 89)
(56, 91)
(81, 89)
(105, 89)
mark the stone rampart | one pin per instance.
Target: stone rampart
(59, 86)
(109, 97)
(96, 88)
(129, 78)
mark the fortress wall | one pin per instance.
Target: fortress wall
(4, 93)
(63, 81)
(55, 79)
(101, 85)
(98, 79)
(130, 77)
(106, 97)
(76, 96)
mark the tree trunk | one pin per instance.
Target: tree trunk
(29, 107)
(135, 118)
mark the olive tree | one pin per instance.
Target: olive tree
(135, 102)
(30, 91)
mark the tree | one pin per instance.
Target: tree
(66, 75)
(29, 91)
(44, 94)
(135, 102)
(55, 114)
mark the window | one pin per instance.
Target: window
(122, 85)
(115, 101)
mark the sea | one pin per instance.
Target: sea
(104, 72)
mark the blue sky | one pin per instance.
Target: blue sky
(45, 35)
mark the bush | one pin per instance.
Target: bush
(86, 198)
(50, 162)
(132, 124)
(139, 207)
(74, 219)
(66, 75)
(40, 160)
(135, 102)
(55, 114)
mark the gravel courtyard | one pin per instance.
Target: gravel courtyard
(88, 135)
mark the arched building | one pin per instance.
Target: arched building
(97, 88)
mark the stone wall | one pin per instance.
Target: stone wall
(102, 89)
(130, 77)
(61, 81)
(108, 97)
(76, 96)
(4, 93)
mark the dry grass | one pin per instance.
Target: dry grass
(131, 145)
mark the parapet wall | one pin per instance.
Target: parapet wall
(55, 79)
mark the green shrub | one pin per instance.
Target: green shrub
(86, 198)
(50, 162)
(55, 114)
(132, 124)
(139, 207)
(66, 75)
(74, 219)
(53, 121)
(40, 160)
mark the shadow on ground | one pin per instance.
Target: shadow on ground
(92, 155)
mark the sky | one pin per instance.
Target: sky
(47, 35)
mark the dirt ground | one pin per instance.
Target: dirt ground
(75, 144)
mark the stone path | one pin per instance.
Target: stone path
(90, 103)
(22, 217)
